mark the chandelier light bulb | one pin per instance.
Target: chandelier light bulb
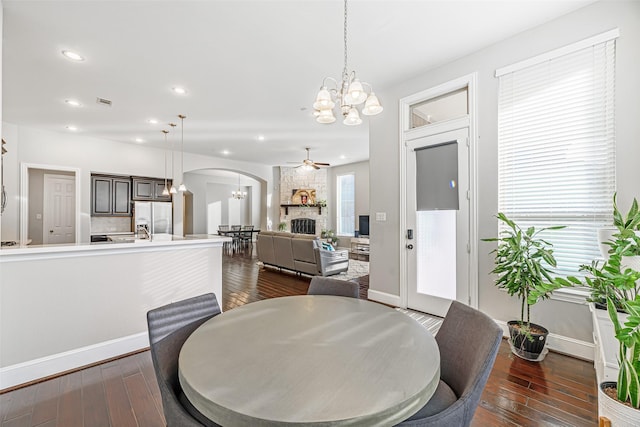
(326, 116)
(372, 106)
(323, 100)
(353, 118)
(356, 94)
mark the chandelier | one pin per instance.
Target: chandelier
(239, 194)
(348, 94)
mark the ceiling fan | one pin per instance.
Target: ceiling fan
(310, 163)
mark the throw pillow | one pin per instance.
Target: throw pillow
(327, 246)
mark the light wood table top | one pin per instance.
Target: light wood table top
(310, 360)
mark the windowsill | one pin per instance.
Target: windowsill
(572, 295)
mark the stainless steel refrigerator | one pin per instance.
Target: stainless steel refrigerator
(156, 217)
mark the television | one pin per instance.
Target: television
(363, 225)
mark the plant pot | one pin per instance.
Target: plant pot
(524, 348)
(605, 234)
(615, 411)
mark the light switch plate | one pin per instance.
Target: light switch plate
(381, 216)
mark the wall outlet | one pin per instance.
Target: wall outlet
(38, 216)
(381, 216)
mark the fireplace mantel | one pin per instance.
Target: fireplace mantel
(286, 208)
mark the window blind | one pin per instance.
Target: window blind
(346, 205)
(556, 149)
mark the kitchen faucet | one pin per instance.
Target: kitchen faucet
(144, 228)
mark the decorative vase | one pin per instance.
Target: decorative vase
(619, 414)
(521, 346)
(605, 234)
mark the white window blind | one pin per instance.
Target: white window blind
(556, 162)
(346, 205)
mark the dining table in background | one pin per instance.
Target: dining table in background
(310, 360)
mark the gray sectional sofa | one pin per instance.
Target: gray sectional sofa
(300, 253)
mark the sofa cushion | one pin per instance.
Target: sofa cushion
(283, 250)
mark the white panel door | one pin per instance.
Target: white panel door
(437, 245)
(59, 224)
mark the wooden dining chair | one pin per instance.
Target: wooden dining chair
(468, 340)
(169, 327)
(246, 235)
(328, 286)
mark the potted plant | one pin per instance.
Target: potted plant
(619, 285)
(282, 226)
(522, 263)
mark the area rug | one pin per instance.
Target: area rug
(356, 269)
(432, 323)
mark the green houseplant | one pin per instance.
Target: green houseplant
(615, 283)
(523, 264)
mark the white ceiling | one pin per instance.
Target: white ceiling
(251, 67)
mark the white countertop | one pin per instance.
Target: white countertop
(157, 241)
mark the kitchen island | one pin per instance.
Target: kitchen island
(67, 306)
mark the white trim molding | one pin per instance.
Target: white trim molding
(561, 344)
(384, 298)
(31, 370)
(556, 53)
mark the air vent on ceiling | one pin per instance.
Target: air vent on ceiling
(103, 101)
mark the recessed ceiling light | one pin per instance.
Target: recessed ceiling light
(72, 128)
(260, 137)
(226, 152)
(343, 156)
(72, 55)
(179, 90)
(139, 140)
(73, 102)
(153, 121)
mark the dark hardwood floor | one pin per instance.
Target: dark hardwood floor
(560, 391)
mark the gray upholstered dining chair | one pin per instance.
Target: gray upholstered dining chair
(328, 286)
(169, 328)
(468, 340)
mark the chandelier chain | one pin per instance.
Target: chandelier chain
(345, 72)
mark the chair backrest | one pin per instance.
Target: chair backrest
(468, 340)
(246, 231)
(328, 286)
(236, 227)
(223, 227)
(169, 327)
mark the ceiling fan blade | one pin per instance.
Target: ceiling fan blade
(322, 164)
(314, 166)
(293, 163)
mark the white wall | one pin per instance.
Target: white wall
(35, 146)
(566, 319)
(209, 188)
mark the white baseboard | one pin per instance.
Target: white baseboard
(31, 370)
(561, 344)
(384, 297)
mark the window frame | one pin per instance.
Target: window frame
(339, 217)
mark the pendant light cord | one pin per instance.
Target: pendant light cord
(345, 72)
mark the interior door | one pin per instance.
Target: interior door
(437, 237)
(59, 224)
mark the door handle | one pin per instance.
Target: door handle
(50, 231)
(409, 246)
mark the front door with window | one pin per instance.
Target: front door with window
(437, 210)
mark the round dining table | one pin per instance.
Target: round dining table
(309, 360)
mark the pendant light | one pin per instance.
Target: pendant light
(346, 94)
(173, 189)
(182, 187)
(165, 190)
(239, 194)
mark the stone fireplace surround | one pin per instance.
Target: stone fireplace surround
(296, 178)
